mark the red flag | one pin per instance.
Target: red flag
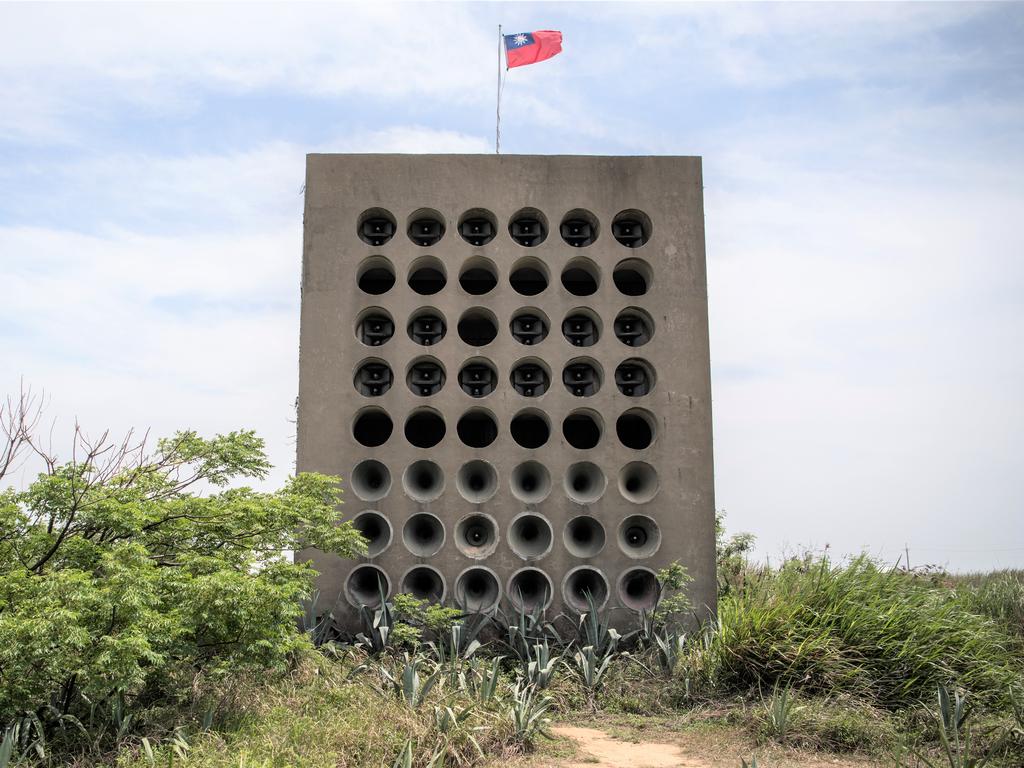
(531, 47)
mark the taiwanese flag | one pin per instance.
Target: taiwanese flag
(531, 47)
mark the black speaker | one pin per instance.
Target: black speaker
(629, 232)
(528, 329)
(581, 379)
(427, 329)
(632, 380)
(477, 231)
(526, 231)
(377, 231)
(477, 379)
(530, 380)
(426, 378)
(577, 232)
(374, 330)
(426, 232)
(580, 330)
(373, 379)
(632, 330)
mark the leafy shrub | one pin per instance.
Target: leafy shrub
(120, 579)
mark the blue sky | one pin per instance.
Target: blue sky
(863, 168)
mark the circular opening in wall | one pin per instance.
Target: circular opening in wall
(529, 535)
(424, 428)
(638, 482)
(528, 227)
(425, 376)
(477, 481)
(478, 226)
(582, 429)
(365, 585)
(376, 529)
(581, 328)
(530, 428)
(375, 276)
(424, 583)
(478, 327)
(478, 378)
(636, 428)
(634, 377)
(427, 276)
(530, 377)
(477, 428)
(423, 534)
(476, 535)
(529, 589)
(639, 589)
(580, 277)
(372, 427)
(423, 480)
(582, 377)
(584, 584)
(585, 482)
(477, 589)
(529, 326)
(634, 327)
(531, 482)
(631, 228)
(639, 536)
(632, 277)
(376, 226)
(373, 378)
(426, 227)
(528, 277)
(584, 536)
(374, 327)
(579, 228)
(427, 326)
(371, 480)
(478, 276)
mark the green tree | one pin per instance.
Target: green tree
(124, 570)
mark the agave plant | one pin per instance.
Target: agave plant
(454, 729)
(377, 624)
(527, 628)
(481, 681)
(595, 630)
(591, 666)
(670, 647)
(528, 712)
(779, 710)
(541, 667)
(408, 685)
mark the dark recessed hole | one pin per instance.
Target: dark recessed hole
(581, 430)
(423, 534)
(425, 377)
(477, 429)
(427, 279)
(631, 228)
(375, 328)
(376, 226)
(638, 482)
(530, 379)
(585, 483)
(478, 277)
(529, 535)
(529, 590)
(635, 429)
(424, 429)
(528, 278)
(365, 585)
(639, 536)
(426, 228)
(375, 528)
(371, 480)
(424, 583)
(580, 329)
(427, 328)
(632, 277)
(581, 378)
(634, 378)
(530, 430)
(476, 535)
(477, 590)
(633, 328)
(584, 536)
(423, 480)
(478, 379)
(582, 583)
(477, 227)
(477, 481)
(375, 276)
(579, 228)
(639, 590)
(580, 279)
(528, 227)
(531, 482)
(477, 328)
(529, 328)
(373, 378)
(372, 428)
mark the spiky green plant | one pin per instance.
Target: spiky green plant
(952, 716)
(407, 685)
(779, 709)
(541, 668)
(527, 710)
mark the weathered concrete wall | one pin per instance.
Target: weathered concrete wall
(340, 189)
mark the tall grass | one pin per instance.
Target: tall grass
(877, 633)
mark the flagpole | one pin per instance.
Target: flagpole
(497, 123)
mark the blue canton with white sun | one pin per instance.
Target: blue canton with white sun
(518, 41)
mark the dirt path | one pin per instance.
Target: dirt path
(606, 752)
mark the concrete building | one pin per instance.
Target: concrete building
(506, 359)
